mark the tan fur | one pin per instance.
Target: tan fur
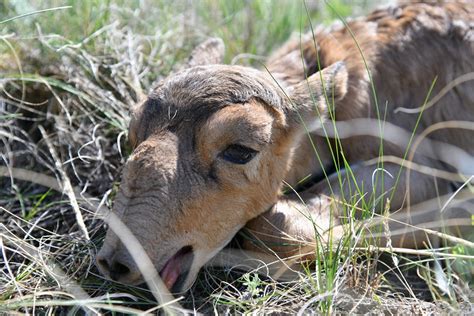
(177, 190)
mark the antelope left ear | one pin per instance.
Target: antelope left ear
(311, 98)
(209, 52)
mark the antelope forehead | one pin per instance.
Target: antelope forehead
(249, 122)
(218, 85)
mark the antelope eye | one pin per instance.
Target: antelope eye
(238, 154)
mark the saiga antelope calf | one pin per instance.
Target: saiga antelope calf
(215, 145)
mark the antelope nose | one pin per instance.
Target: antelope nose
(118, 267)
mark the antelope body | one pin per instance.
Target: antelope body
(215, 145)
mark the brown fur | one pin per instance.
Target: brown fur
(178, 191)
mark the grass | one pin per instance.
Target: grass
(70, 70)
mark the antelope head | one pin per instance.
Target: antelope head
(212, 144)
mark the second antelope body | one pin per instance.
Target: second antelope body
(215, 145)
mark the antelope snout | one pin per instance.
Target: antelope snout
(118, 265)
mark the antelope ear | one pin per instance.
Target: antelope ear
(311, 99)
(209, 52)
(134, 125)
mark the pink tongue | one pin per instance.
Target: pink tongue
(170, 272)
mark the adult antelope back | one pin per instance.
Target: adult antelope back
(214, 144)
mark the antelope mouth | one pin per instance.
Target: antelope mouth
(175, 271)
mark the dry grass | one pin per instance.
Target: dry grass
(68, 79)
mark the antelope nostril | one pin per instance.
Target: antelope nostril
(118, 270)
(103, 264)
(114, 268)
